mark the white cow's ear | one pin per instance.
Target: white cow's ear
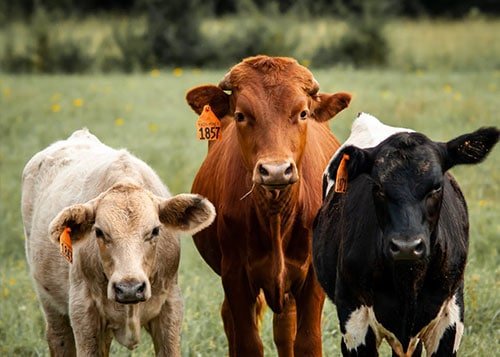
(187, 212)
(79, 218)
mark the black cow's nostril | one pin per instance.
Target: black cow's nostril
(394, 248)
(263, 171)
(420, 248)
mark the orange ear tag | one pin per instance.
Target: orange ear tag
(208, 125)
(341, 179)
(65, 245)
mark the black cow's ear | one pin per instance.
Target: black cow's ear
(469, 148)
(360, 161)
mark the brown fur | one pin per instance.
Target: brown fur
(263, 242)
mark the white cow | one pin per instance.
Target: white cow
(123, 224)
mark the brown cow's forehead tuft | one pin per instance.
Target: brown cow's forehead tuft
(271, 72)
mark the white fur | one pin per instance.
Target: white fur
(366, 131)
(364, 317)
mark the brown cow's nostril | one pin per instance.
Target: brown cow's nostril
(289, 170)
(263, 171)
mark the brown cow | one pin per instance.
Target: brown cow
(126, 251)
(275, 145)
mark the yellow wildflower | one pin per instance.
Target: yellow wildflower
(78, 102)
(152, 127)
(177, 71)
(7, 92)
(457, 96)
(56, 107)
(119, 121)
(154, 72)
(447, 88)
(12, 281)
(55, 97)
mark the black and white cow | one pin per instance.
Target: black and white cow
(390, 252)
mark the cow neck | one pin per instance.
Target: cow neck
(270, 204)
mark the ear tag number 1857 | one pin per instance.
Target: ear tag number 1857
(208, 125)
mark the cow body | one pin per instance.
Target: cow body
(123, 225)
(391, 251)
(264, 178)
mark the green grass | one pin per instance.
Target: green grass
(148, 115)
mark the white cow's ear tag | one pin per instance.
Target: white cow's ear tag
(341, 179)
(208, 125)
(65, 245)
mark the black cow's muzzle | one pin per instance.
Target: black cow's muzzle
(407, 249)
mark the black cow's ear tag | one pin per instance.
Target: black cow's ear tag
(208, 125)
(341, 179)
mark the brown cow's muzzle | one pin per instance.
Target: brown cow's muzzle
(275, 175)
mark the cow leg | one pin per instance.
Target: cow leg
(90, 335)
(165, 329)
(239, 307)
(227, 319)
(309, 301)
(285, 327)
(59, 333)
(445, 337)
(358, 338)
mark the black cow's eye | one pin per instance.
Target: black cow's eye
(436, 189)
(239, 117)
(303, 114)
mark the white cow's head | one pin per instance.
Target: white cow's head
(128, 222)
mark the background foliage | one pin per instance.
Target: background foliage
(142, 34)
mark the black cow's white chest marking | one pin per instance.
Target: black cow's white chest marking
(364, 317)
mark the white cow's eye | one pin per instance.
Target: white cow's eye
(99, 233)
(155, 231)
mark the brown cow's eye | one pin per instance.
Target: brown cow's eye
(303, 114)
(239, 117)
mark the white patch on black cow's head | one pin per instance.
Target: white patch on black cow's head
(366, 131)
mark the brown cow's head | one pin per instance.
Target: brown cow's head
(127, 222)
(272, 100)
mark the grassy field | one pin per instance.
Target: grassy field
(147, 114)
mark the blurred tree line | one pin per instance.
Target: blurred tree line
(409, 8)
(173, 36)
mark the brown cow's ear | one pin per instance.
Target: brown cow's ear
(326, 106)
(187, 212)
(79, 218)
(218, 100)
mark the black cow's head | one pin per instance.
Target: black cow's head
(407, 171)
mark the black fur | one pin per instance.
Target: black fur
(398, 189)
